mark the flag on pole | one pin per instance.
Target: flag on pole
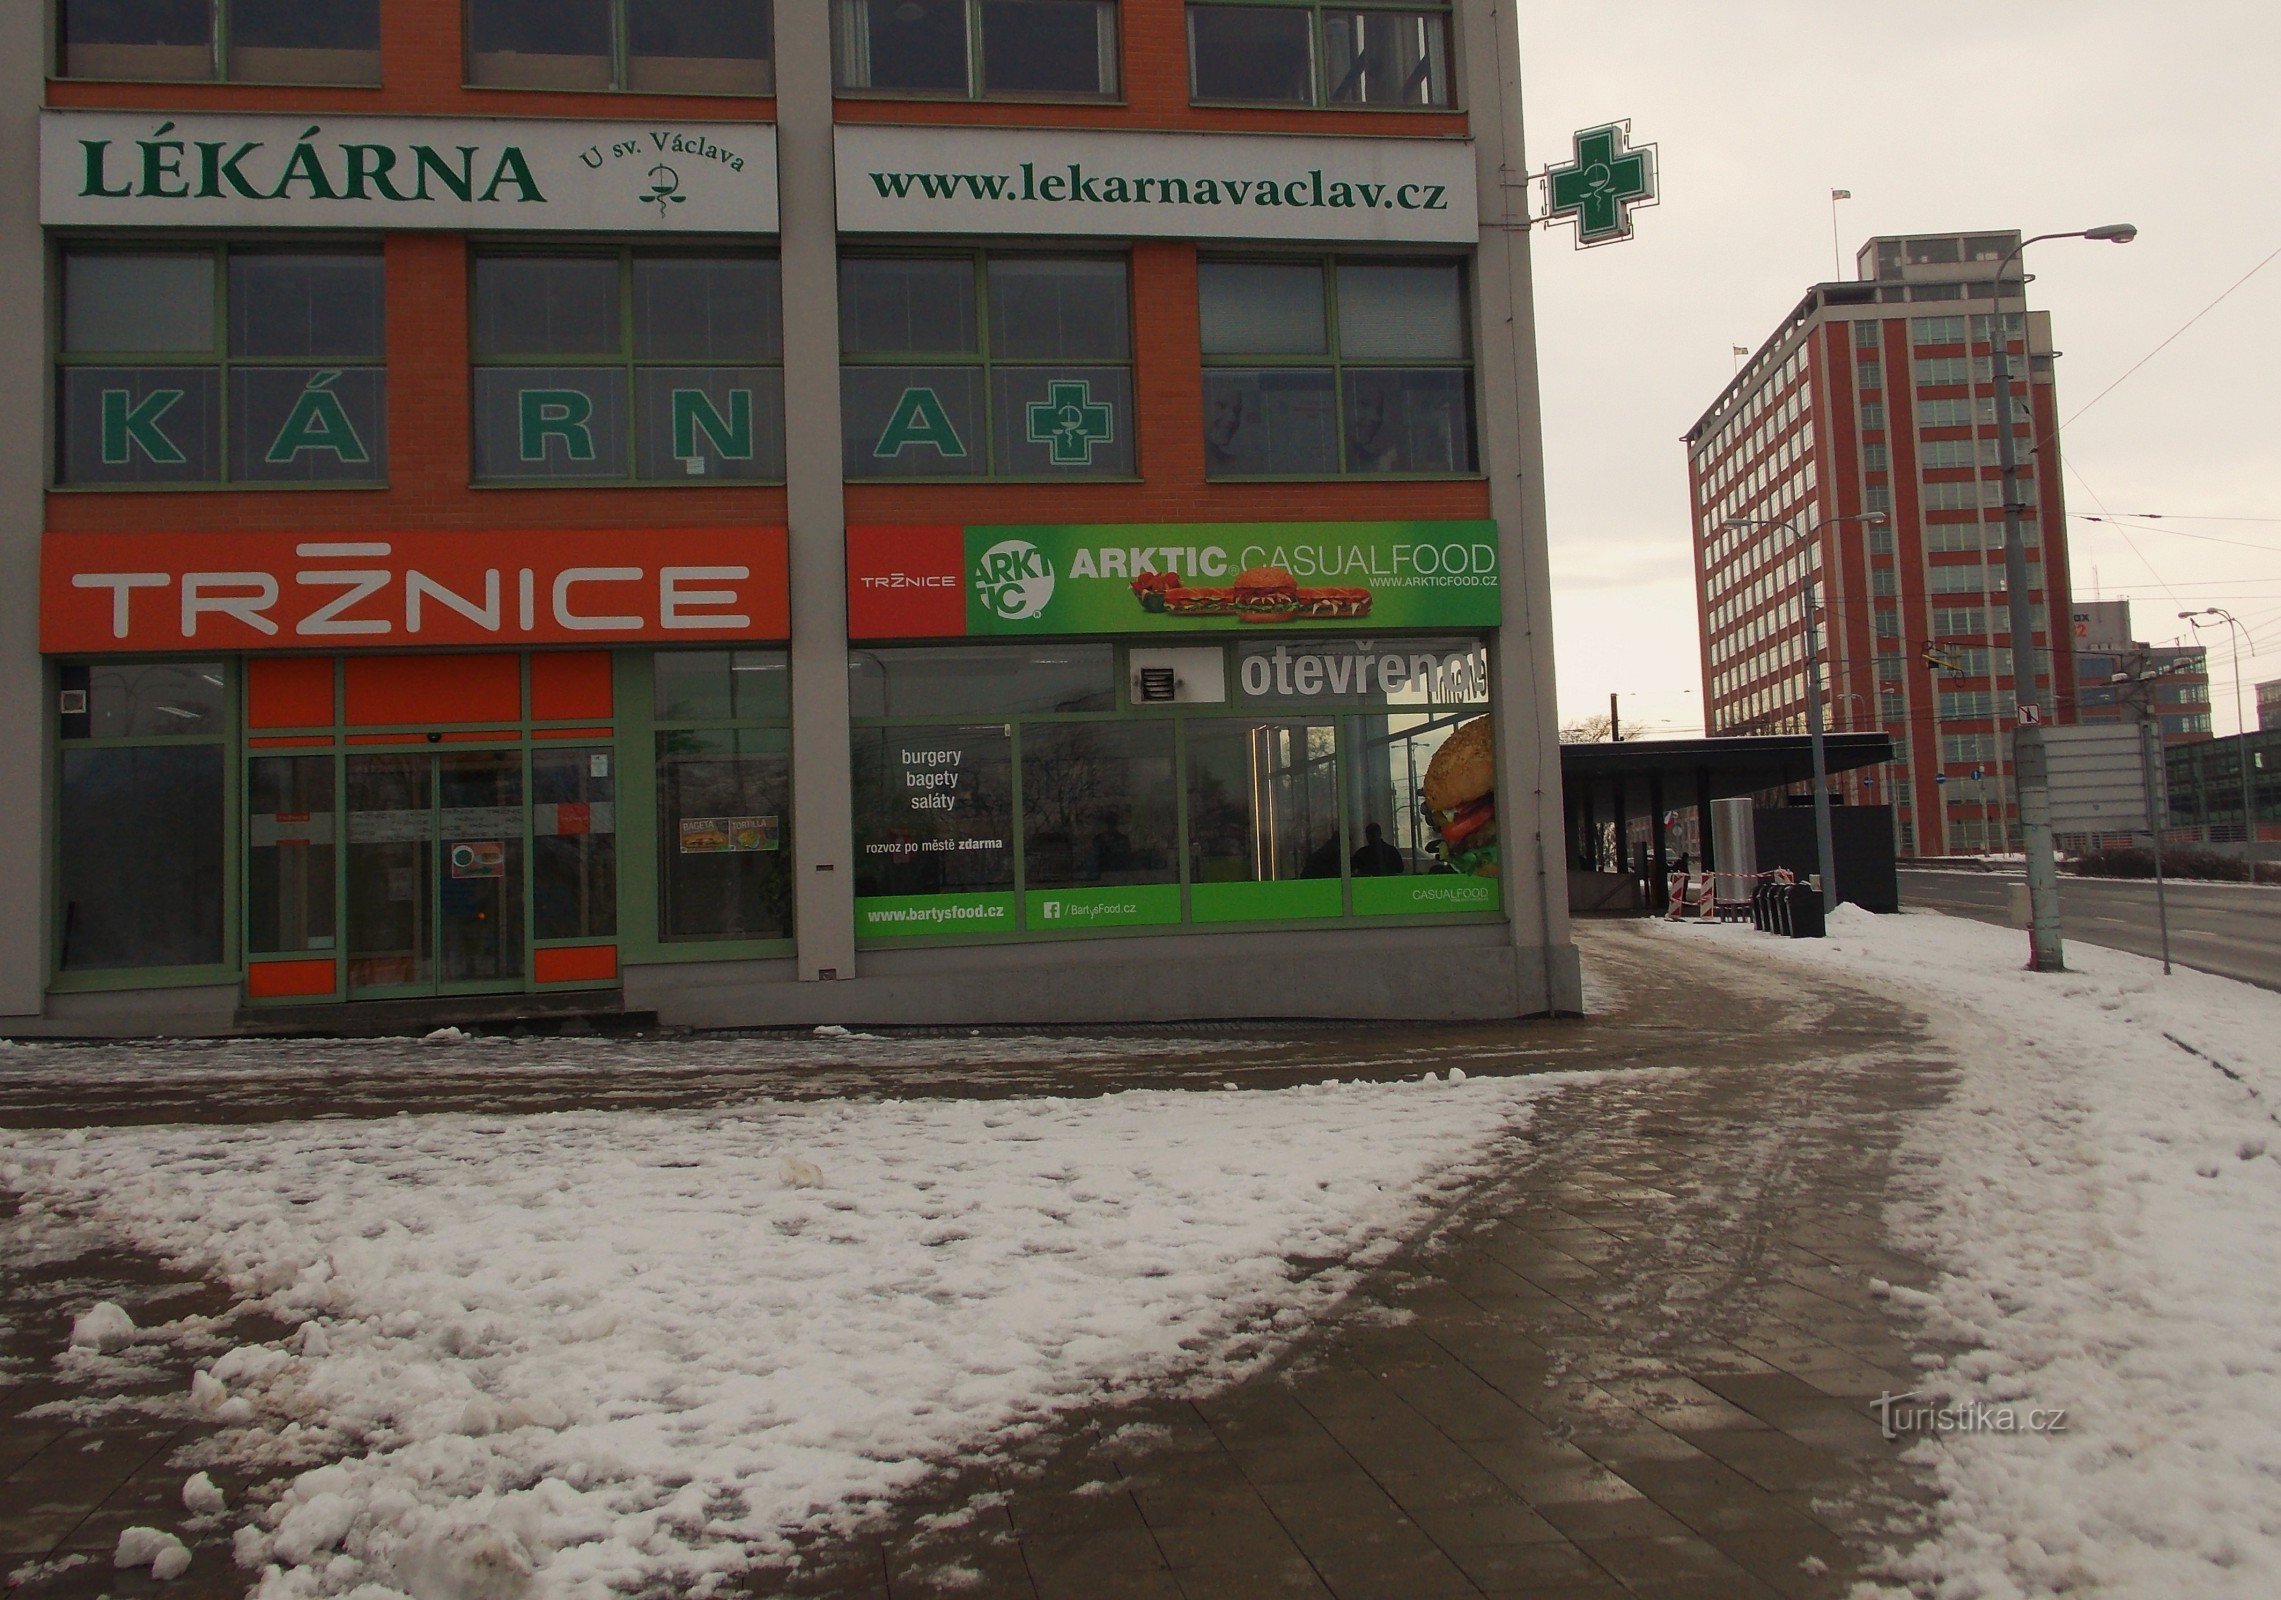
(1841, 194)
(1742, 349)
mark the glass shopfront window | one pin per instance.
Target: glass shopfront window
(724, 794)
(1025, 791)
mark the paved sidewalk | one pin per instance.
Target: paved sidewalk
(1639, 1365)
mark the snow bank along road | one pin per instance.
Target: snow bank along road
(2230, 929)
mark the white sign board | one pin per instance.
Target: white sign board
(2098, 778)
(1031, 181)
(141, 169)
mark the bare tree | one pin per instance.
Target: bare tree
(1585, 730)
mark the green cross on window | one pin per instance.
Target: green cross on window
(1602, 184)
(1070, 423)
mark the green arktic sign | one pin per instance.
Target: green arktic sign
(1213, 577)
(1602, 185)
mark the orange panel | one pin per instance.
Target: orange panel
(572, 733)
(303, 742)
(278, 980)
(289, 692)
(566, 684)
(484, 736)
(388, 690)
(585, 963)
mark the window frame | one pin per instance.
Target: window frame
(218, 358)
(1318, 65)
(621, 58)
(1333, 360)
(977, 66)
(625, 359)
(982, 360)
(217, 58)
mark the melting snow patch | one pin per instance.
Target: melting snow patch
(103, 1326)
(155, 1548)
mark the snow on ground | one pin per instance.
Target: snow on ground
(2102, 1193)
(572, 1355)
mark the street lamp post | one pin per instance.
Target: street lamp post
(1825, 850)
(2234, 631)
(2031, 772)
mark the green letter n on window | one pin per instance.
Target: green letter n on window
(564, 414)
(128, 428)
(730, 437)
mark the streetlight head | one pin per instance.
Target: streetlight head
(2113, 232)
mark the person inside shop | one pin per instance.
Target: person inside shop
(1112, 848)
(1376, 858)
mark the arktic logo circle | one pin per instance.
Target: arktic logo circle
(1014, 580)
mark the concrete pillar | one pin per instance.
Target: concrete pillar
(822, 785)
(24, 701)
(1548, 976)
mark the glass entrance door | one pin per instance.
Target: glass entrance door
(435, 872)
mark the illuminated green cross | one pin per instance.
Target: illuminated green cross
(1600, 186)
(1070, 423)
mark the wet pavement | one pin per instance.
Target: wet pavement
(1639, 1363)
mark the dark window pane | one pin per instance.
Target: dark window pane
(1047, 310)
(539, 44)
(1255, 308)
(574, 844)
(1062, 47)
(550, 422)
(1097, 804)
(724, 804)
(698, 308)
(139, 848)
(1409, 420)
(1056, 421)
(297, 425)
(479, 898)
(993, 681)
(164, 39)
(305, 41)
(156, 304)
(912, 422)
(902, 44)
(700, 46)
(716, 685)
(289, 859)
(1267, 423)
(933, 810)
(1262, 801)
(1251, 53)
(141, 425)
(694, 423)
(922, 306)
(1401, 313)
(546, 306)
(134, 700)
(1386, 58)
(306, 308)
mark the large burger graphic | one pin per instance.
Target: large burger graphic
(1460, 800)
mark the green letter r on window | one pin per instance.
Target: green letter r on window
(561, 414)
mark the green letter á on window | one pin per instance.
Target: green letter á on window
(128, 428)
(557, 413)
(919, 419)
(318, 421)
(731, 438)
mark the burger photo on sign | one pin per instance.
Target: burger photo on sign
(1259, 594)
(1460, 800)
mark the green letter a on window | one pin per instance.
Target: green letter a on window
(128, 428)
(919, 419)
(560, 414)
(318, 421)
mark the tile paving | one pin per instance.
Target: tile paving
(1638, 1364)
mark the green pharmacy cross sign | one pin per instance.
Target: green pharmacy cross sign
(1602, 185)
(1069, 422)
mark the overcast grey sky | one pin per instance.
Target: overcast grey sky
(1939, 116)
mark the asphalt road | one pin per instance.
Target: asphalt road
(2229, 929)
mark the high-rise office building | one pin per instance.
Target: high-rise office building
(1857, 449)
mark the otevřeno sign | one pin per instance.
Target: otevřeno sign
(1162, 185)
(142, 170)
(106, 593)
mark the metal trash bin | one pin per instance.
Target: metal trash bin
(1803, 912)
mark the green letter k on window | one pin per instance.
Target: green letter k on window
(131, 427)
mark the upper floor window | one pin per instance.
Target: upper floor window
(1049, 49)
(1315, 368)
(247, 41)
(646, 46)
(221, 365)
(1306, 52)
(967, 366)
(617, 365)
